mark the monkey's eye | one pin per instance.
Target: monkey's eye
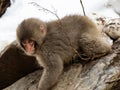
(28, 42)
(31, 42)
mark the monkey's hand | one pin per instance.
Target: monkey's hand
(52, 71)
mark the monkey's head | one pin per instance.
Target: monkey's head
(30, 34)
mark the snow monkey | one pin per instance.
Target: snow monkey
(50, 43)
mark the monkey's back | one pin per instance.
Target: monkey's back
(64, 33)
(91, 41)
(82, 34)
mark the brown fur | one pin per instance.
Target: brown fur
(53, 49)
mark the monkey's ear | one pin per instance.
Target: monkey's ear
(43, 30)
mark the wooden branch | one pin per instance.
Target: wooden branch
(83, 7)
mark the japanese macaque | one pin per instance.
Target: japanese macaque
(52, 43)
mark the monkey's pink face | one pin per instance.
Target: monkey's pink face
(29, 46)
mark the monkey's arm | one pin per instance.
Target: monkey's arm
(52, 70)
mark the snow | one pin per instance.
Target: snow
(22, 9)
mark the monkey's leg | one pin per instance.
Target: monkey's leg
(51, 72)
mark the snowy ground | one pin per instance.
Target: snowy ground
(21, 9)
